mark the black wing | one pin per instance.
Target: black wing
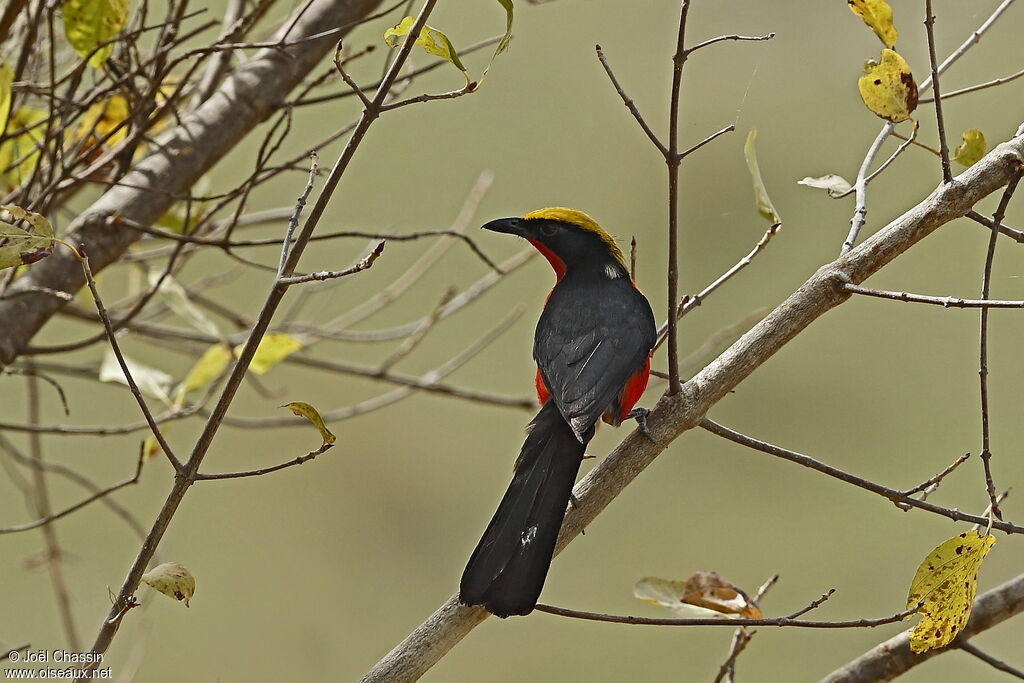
(595, 333)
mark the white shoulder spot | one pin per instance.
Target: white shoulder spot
(611, 271)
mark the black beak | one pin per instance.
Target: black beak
(509, 226)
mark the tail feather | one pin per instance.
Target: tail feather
(506, 571)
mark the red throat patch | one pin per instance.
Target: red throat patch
(556, 263)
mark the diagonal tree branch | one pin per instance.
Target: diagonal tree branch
(246, 98)
(683, 411)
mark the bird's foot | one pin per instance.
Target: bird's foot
(640, 415)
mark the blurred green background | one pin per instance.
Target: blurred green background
(315, 572)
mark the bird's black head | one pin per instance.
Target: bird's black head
(569, 239)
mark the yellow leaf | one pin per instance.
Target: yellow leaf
(764, 203)
(947, 582)
(888, 88)
(173, 580)
(88, 24)
(151, 447)
(310, 413)
(208, 368)
(972, 149)
(25, 237)
(6, 78)
(430, 39)
(703, 594)
(20, 154)
(273, 348)
(102, 119)
(878, 16)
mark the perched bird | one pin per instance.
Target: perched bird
(592, 347)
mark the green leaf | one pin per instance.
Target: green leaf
(764, 203)
(6, 78)
(88, 24)
(25, 237)
(972, 149)
(431, 40)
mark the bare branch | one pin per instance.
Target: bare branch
(986, 283)
(929, 25)
(267, 470)
(630, 105)
(897, 497)
(78, 506)
(944, 301)
(359, 266)
(996, 664)
(712, 41)
(731, 623)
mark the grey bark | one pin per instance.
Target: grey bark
(246, 98)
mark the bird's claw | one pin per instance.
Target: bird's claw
(640, 415)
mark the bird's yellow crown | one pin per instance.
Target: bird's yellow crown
(580, 220)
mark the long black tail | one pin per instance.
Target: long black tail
(508, 567)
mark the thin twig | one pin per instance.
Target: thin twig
(860, 187)
(267, 470)
(672, 160)
(630, 105)
(931, 484)
(731, 623)
(944, 301)
(974, 88)
(929, 25)
(986, 282)
(714, 136)
(712, 41)
(727, 671)
(1015, 235)
(300, 203)
(41, 495)
(996, 664)
(912, 140)
(890, 494)
(116, 348)
(359, 266)
(690, 302)
(43, 521)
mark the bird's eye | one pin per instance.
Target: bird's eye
(548, 229)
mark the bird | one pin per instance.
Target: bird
(592, 346)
